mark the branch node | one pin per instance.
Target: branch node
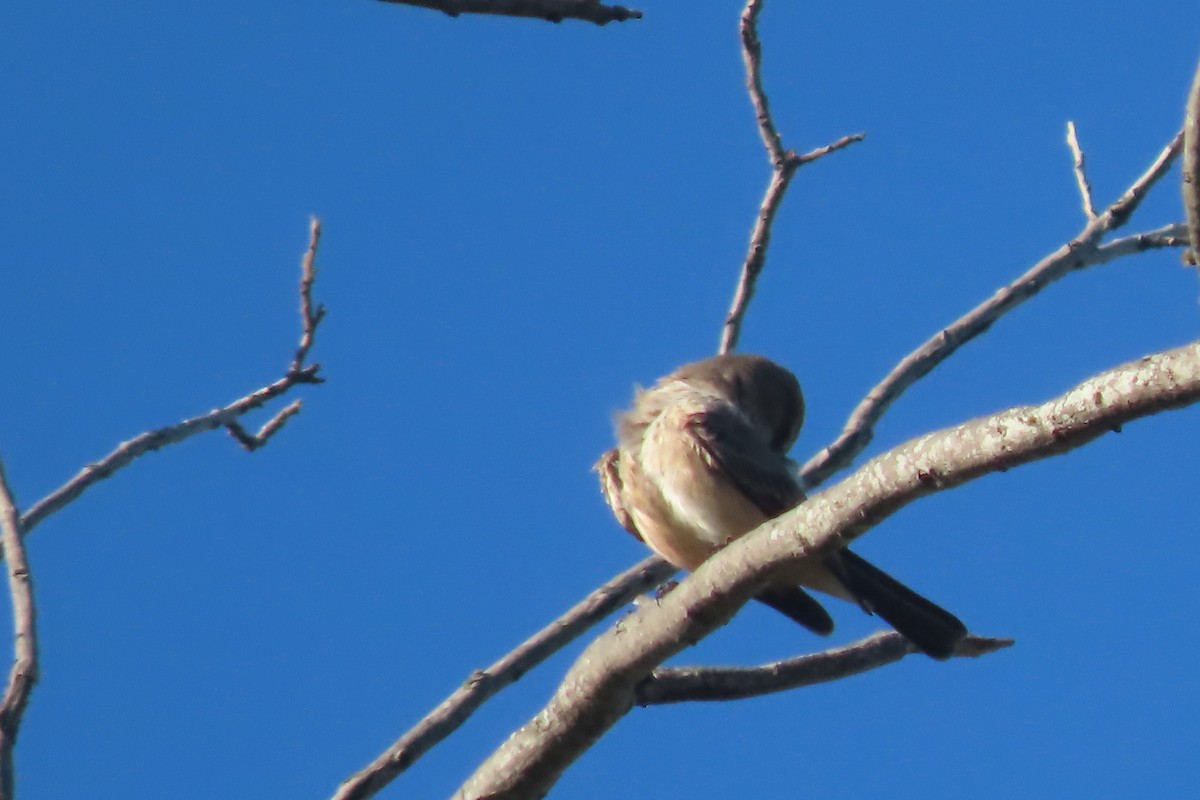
(784, 164)
(253, 441)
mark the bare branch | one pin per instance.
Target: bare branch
(1191, 168)
(1077, 157)
(602, 684)
(1168, 236)
(482, 685)
(24, 672)
(550, 10)
(298, 373)
(833, 147)
(1119, 212)
(784, 164)
(686, 684)
(253, 441)
(752, 58)
(756, 258)
(1081, 252)
(310, 315)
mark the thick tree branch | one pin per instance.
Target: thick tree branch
(1081, 252)
(602, 684)
(549, 10)
(483, 684)
(127, 452)
(784, 164)
(24, 672)
(687, 684)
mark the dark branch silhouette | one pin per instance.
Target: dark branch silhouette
(549, 10)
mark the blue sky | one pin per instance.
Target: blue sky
(523, 220)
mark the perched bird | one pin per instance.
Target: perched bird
(701, 459)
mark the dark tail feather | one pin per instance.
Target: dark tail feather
(933, 629)
(797, 604)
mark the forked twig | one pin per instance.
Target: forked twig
(124, 454)
(1083, 251)
(784, 164)
(253, 441)
(310, 314)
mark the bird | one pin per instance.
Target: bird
(701, 459)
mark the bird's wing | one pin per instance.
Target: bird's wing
(610, 487)
(733, 446)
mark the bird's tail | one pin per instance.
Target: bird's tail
(933, 629)
(798, 605)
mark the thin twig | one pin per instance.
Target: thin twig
(310, 315)
(1079, 162)
(1191, 169)
(687, 684)
(752, 58)
(455, 709)
(24, 672)
(1174, 235)
(824, 150)
(784, 164)
(549, 10)
(756, 258)
(1081, 252)
(127, 452)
